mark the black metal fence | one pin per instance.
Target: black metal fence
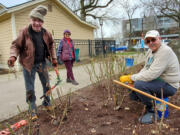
(90, 48)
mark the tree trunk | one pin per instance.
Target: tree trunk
(82, 13)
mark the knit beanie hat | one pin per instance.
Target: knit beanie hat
(67, 31)
(39, 12)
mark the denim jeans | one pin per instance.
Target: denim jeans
(29, 78)
(152, 87)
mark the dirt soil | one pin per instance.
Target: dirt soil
(91, 112)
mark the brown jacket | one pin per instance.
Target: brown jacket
(23, 47)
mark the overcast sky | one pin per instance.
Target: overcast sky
(9, 3)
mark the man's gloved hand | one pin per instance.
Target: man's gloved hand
(11, 61)
(126, 78)
(54, 62)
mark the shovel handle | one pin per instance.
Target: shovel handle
(146, 94)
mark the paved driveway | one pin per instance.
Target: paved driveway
(12, 90)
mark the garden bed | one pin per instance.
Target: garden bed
(90, 111)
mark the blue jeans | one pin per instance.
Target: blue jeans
(152, 87)
(29, 78)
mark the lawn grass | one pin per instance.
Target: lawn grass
(126, 53)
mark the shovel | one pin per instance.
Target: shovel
(146, 94)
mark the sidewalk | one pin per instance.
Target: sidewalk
(12, 92)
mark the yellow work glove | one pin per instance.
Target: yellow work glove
(126, 79)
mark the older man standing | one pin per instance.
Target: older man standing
(33, 45)
(161, 72)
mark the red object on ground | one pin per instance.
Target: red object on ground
(14, 127)
(4, 132)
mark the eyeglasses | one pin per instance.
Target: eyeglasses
(67, 34)
(151, 40)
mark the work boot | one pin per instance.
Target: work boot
(74, 82)
(68, 80)
(148, 118)
(34, 117)
(49, 108)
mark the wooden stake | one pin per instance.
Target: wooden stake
(146, 94)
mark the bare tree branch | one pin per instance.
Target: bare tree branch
(86, 7)
(168, 8)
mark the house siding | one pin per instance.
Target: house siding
(58, 20)
(22, 19)
(5, 41)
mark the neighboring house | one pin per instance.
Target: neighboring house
(58, 18)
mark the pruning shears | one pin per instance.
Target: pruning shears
(58, 81)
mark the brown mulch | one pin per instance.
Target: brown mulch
(90, 115)
(91, 112)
